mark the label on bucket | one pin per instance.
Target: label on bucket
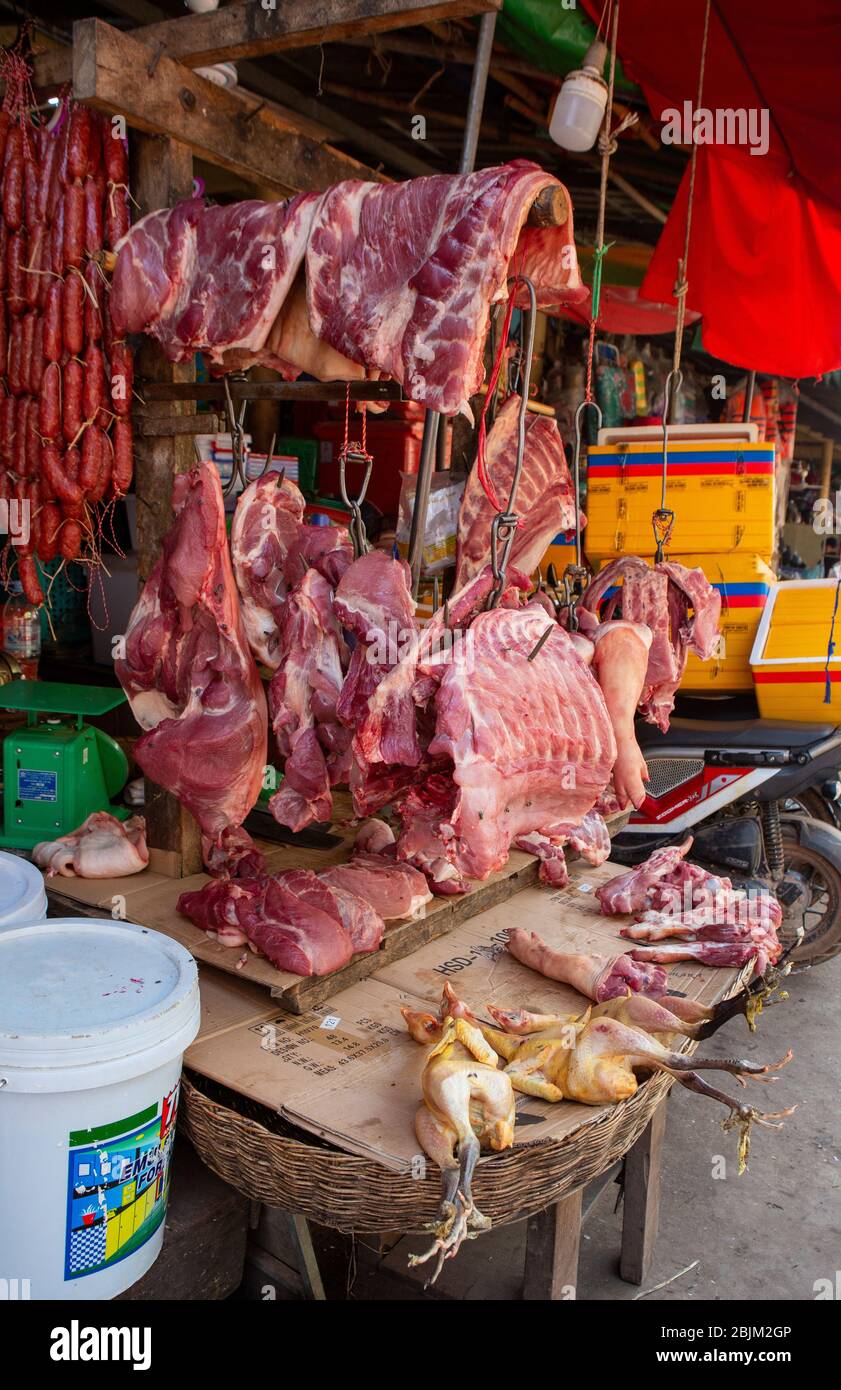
(118, 1183)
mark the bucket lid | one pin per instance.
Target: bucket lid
(78, 991)
(21, 889)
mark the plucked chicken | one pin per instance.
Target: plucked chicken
(102, 847)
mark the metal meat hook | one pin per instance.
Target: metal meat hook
(235, 421)
(576, 575)
(504, 524)
(358, 534)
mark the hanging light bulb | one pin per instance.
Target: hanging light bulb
(580, 104)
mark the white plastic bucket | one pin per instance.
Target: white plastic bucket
(23, 897)
(94, 1019)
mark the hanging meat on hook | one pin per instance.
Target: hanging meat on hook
(191, 680)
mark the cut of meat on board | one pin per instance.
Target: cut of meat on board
(360, 920)
(401, 277)
(189, 675)
(212, 279)
(596, 977)
(528, 743)
(102, 847)
(302, 699)
(632, 892)
(661, 597)
(394, 890)
(590, 839)
(290, 931)
(272, 549)
(545, 501)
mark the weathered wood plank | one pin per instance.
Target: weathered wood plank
(552, 1241)
(111, 70)
(162, 172)
(641, 1206)
(246, 29)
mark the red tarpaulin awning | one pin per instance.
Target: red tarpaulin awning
(765, 254)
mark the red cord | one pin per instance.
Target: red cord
(347, 419)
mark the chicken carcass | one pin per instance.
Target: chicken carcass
(661, 598)
(102, 847)
(303, 696)
(190, 677)
(468, 1105)
(596, 977)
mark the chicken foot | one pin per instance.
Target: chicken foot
(741, 1117)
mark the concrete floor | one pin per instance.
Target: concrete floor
(767, 1236)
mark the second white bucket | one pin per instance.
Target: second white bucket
(94, 1019)
(23, 897)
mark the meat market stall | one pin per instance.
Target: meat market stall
(362, 781)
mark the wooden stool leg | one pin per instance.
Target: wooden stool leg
(642, 1199)
(299, 1232)
(552, 1240)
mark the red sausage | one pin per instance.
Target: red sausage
(122, 377)
(93, 217)
(31, 185)
(7, 429)
(91, 463)
(27, 348)
(15, 275)
(48, 531)
(13, 374)
(5, 122)
(48, 184)
(73, 386)
(33, 442)
(115, 154)
(116, 216)
(33, 281)
(19, 456)
(58, 483)
(36, 361)
(73, 314)
(106, 458)
(79, 162)
(74, 224)
(93, 297)
(71, 464)
(57, 240)
(70, 539)
(4, 338)
(53, 336)
(4, 252)
(94, 375)
(122, 464)
(28, 575)
(13, 179)
(49, 403)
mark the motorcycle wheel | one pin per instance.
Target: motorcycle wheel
(809, 803)
(814, 886)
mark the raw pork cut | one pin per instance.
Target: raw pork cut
(272, 549)
(596, 977)
(633, 891)
(373, 600)
(544, 501)
(302, 699)
(362, 923)
(393, 890)
(528, 742)
(401, 277)
(212, 279)
(661, 597)
(620, 662)
(590, 839)
(102, 847)
(190, 677)
(276, 922)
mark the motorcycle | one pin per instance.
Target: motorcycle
(741, 788)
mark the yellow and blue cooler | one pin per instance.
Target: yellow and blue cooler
(744, 582)
(721, 491)
(796, 657)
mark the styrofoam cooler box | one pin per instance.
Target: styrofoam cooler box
(796, 675)
(721, 491)
(94, 1019)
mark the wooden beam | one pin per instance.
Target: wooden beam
(162, 172)
(247, 29)
(111, 70)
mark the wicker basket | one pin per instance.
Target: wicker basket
(268, 1160)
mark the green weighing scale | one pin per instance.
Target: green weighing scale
(58, 770)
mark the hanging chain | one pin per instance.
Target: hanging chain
(504, 524)
(235, 423)
(356, 453)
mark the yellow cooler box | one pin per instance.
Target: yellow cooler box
(744, 582)
(793, 669)
(560, 554)
(721, 491)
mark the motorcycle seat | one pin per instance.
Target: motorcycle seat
(731, 733)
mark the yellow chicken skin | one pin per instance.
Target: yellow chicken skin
(468, 1105)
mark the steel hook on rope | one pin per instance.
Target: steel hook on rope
(235, 422)
(504, 524)
(663, 519)
(576, 576)
(353, 453)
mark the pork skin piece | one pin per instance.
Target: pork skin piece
(596, 977)
(620, 663)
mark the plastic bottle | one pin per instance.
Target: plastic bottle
(22, 631)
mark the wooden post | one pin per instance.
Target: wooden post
(162, 173)
(827, 451)
(552, 1240)
(641, 1216)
